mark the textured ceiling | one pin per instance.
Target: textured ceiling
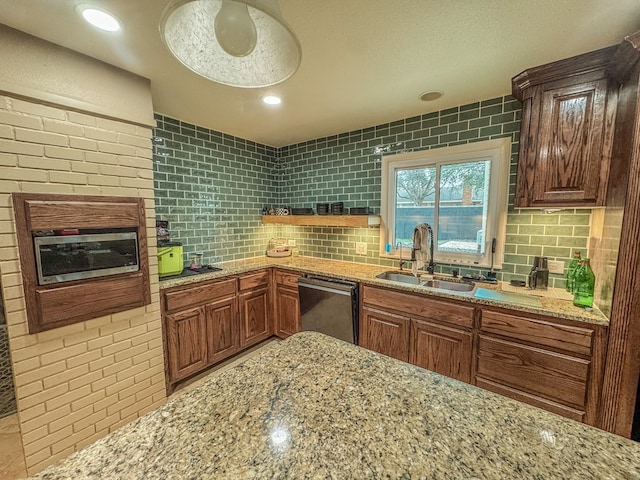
(364, 62)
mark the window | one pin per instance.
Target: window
(461, 192)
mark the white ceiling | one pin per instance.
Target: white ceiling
(364, 62)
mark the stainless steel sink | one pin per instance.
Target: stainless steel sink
(446, 285)
(402, 277)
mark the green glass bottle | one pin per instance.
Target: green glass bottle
(571, 270)
(585, 282)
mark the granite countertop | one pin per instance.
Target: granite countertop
(556, 307)
(315, 407)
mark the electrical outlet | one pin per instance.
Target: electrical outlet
(555, 267)
(361, 248)
(292, 242)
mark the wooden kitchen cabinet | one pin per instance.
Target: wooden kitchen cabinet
(542, 362)
(287, 303)
(441, 349)
(200, 327)
(186, 343)
(222, 330)
(431, 333)
(385, 333)
(568, 112)
(255, 308)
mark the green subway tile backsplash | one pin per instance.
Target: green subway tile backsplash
(212, 187)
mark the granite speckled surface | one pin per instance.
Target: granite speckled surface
(315, 407)
(367, 274)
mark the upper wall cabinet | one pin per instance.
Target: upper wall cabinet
(568, 113)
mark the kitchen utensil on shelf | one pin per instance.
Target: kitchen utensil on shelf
(359, 211)
(322, 208)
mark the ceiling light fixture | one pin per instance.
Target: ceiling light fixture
(272, 100)
(100, 19)
(431, 95)
(241, 43)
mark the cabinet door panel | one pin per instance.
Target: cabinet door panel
(385, 333)
(547, 374)
(441, 349)
(568, 118)
(287, 312)
(255, 324)
(223, 336)
(571, 143)
(186, 343)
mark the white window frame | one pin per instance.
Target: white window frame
(497, 152)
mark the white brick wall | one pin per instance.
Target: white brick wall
(77, 383)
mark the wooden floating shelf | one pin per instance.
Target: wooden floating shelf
(323, 220)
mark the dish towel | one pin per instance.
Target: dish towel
(421, 235)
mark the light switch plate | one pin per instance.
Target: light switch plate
(555, 267)
(292, 242)
(361, 248)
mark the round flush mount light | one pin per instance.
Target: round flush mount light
(431, 95)
(272, 100)
(240, 43)
(99, 18)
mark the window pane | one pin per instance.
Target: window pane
(462, 213)
(414, 201)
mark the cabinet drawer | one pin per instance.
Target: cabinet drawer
(561, 337)
(574, 414)
(419, 305)
(550, 375)
(287, 278)
(179, 299)
(254, 280)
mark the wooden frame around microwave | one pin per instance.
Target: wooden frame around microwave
(60, 304)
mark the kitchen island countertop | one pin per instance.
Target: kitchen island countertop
(315, 407)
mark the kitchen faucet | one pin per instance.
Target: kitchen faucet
(431, 265)
(402, 262)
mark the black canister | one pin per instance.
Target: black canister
(322, 208)
(539, 275)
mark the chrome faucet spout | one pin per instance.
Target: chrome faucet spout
(401, 261)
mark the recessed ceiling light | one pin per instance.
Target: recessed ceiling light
(431, 95)
(272, 100)
(100, 19)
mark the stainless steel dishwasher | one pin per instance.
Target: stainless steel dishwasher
(329, 306)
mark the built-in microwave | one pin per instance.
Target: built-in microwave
(63, 258)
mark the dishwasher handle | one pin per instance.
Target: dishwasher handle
(326, 285)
